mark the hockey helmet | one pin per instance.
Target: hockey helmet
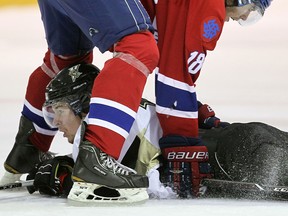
(256, 11)
(71, 86)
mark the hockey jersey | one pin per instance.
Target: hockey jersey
(185, 31)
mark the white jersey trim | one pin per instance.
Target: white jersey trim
(44, 131)
(176, 113)
(174, 83)
(111, 103)
(109, 126)
(33, 109)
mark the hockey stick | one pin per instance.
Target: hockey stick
(244, 189)
(17, 185)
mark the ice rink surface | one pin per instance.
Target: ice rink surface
(243, 80)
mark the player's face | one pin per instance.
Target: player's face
(239, 13)
(65, 120)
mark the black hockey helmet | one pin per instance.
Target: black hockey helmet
(73, 86)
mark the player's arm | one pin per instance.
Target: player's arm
(52, 177)
(207, 118)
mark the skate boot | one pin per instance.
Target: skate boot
(24, 155)
(99, 178)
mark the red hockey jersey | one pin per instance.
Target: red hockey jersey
(185, 30)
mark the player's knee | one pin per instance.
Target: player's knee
(55, 63)
(142, 46)
(150, 51)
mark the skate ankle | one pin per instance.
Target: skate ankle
(96, 167)
(24, 155)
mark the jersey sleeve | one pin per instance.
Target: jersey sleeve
(147, 128)
(149, 135)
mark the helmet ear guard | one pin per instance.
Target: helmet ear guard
(72, 86)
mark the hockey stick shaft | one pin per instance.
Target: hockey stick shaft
(17, 185)
(225, 185)
(243, 185)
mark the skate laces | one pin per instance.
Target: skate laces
(116, 167)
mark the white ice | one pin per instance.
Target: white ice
(244, 79)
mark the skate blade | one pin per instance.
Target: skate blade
(89, 194)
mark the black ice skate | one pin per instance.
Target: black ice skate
(100, 178)
(24, 155)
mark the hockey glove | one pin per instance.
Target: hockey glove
(52, 177)
(207, 118)
(185, 164)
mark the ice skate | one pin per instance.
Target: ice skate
(24, 155)
(99, 178)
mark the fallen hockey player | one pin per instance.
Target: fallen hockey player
(61, 110)
(250, 152)
(65, 108)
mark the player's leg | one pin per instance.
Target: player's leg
(111, 102)
(34, 137)
(182, 56)
(116, 96)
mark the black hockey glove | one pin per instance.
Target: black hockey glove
(207, 118)
(52, 177)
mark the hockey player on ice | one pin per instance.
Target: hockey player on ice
(140, 151)
(27, 127)
(238, 147)
(73, 29)
(62, 110)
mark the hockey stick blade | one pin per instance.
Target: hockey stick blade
(17, 185)
(245, 189)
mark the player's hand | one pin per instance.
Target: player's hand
(52, 177)
(207, 118)
(211, 122)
